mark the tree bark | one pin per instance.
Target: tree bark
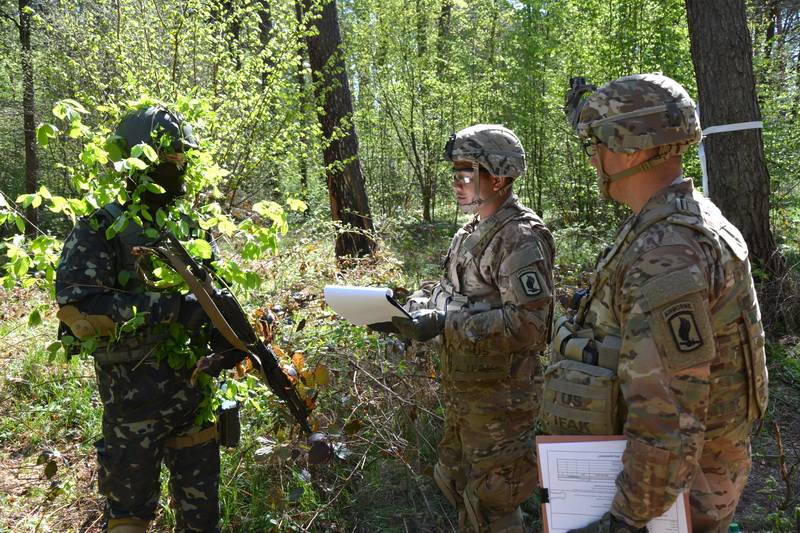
(737, 172)
(28, 112)
(345, 179)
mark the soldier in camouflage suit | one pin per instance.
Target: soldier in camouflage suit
(148, 407)
(490, 314)
(671, 329)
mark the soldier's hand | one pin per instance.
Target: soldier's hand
(423, 325)
(609, 524)
(191, 314)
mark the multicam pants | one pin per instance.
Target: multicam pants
(145, 405)
(486, 464)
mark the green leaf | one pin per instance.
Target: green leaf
(58, 204)
(200, 248)
(35, 318)
(44, 133)
(44, 192)
(136, 163)
(25, 199)
(154, 188)
(123, 277)
(296, 204)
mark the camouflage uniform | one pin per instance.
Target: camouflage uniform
(497, 294)
(672, 320)
(148, 408)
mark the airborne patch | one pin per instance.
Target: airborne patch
(683, 326)
(530, 283)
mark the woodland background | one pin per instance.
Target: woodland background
(322, 129)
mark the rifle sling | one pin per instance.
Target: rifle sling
(201, 290)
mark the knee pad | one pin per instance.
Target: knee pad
(127, 525)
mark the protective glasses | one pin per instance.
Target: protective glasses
(462, 176)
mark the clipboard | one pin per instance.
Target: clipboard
(362, 306)
(577, 474)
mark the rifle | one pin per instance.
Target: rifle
(230, 320)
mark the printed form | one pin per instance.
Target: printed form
(579, 475)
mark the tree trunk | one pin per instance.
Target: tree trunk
(346, 189)
(300, 78)
(28, 113)
(737, 172)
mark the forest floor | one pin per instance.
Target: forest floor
(382, 408)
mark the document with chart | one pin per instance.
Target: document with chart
(579, 475)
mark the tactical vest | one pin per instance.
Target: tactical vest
(140, 344)
(459, 362)
(581, 389)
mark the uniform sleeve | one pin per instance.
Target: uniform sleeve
(667, 346)
(524, 278)
(87, 277)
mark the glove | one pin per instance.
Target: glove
(224, 356)
(609, 524)
(423, 325)
(382, 327)
(191, 315)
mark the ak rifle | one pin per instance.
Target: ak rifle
(230, 320)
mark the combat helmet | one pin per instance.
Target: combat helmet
(492, 146)
(170, 135)
(635, 113)
(148, 125)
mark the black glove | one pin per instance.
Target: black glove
(191, 315)
(383, 327)
(423, 325)
(224, 356)
(609, 524)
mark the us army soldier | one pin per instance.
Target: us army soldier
(668, 346)
(491, 313)
(149, 407)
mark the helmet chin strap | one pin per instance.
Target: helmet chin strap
(472, 207)
(606, 180)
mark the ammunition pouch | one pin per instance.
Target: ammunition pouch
(470, 366)
(581, 388)
(461, 362)
(133, 348)
(229, 429)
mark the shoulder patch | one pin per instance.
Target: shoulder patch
(531, 284)
(683, 326)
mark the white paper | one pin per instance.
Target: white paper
(363, 305)
(580, 476)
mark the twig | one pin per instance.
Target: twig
(393, 393)
(786, 473)
(330, 502)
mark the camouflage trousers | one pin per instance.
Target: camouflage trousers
(486, 465)
(719, 483)
(145, 408)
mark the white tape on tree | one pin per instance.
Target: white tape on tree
(724, 128)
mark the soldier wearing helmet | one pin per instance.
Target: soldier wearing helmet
(149, 405)
(667, 347)
(490, 314)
